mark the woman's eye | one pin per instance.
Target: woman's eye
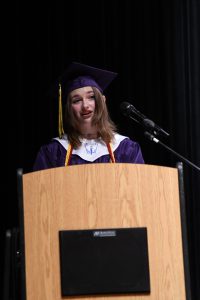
(76, 100)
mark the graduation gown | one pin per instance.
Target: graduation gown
(53, 155)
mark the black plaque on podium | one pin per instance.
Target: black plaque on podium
(104, 261)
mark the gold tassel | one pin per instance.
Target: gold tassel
(60, 114)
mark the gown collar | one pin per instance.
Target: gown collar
(92, 149)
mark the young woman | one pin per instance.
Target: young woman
(89, 135)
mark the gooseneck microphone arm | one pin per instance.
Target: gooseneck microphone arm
(130, 111)
(152, 131)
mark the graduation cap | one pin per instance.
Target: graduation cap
(79, 75)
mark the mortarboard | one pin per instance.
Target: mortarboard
(79, 75)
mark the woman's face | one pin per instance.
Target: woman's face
(83, 104)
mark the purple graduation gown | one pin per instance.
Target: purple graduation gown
(54, 154)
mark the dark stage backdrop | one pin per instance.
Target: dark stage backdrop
(155, 48)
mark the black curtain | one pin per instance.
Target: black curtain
(153, 45)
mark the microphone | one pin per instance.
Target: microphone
(130, 111)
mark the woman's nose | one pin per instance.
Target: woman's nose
(85, 103)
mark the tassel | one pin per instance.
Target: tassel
(60, 114)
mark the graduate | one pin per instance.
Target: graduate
(87, 135)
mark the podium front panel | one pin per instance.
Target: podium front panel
(88, 197)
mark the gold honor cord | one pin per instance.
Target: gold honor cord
(69, 153)
(60, 114)
(112, 156)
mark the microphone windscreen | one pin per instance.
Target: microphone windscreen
(125, 107)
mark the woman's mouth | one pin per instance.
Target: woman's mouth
(86, 114)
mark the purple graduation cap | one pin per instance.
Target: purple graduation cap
(80, 75)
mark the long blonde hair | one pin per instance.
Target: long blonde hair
(105, 126)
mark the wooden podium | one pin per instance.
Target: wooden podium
(102, 196)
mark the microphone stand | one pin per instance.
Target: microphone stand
(151, 126)
(152, 138)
